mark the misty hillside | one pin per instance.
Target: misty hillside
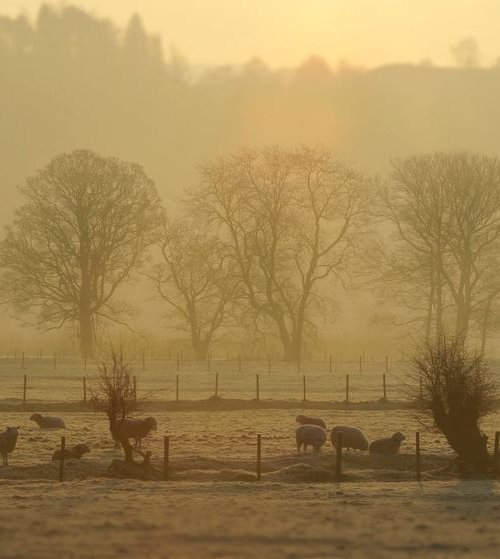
(70, 80)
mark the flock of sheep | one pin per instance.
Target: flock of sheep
(127, 428)
(312, 432)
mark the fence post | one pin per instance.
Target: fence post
(417, 455)
(22, 360)
(257, 387)
(495, 453)
(61, 459)
(304, 387)
(338, 457)
(166, 456)
(177, 388)
(385, 389)
(216, 385)
(24, 389)
(347, 388)
(84, 379)
(259, 457)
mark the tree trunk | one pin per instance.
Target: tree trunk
(86, 331)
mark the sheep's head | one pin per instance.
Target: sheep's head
(81, 449)
(398, 437)
(37, 417)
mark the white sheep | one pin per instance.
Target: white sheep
(305, 420)
(313, 435)
(352, 437)
(47, 421)
(75, 453)
(136, 429)
(389, 445)
(8, 441)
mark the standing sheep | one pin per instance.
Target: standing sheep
(305, 420)
(313, 435)
(389, 445)
(352, 437)
(47, 422)
(8, 441)
(136, 429)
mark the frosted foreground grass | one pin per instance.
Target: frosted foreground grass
(110, 518)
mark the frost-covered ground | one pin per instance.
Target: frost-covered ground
(212, 506)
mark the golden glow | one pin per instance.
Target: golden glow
(285, 32)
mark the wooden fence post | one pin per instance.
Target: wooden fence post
(417, 455)
(495, 453)
(61, 459)
(384, 385)
(259, 457)
(338, 457)
(166, 457)
(24, 389)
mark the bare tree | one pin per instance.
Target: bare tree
(458, 391)
(196, 280)
(288, 219)
(441, 258)
(83, 229)
(115, 395)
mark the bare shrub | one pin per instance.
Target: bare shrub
(457, 390)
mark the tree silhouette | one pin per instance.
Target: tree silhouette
(84, 228)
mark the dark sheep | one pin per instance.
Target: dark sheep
(305, 420)
(47, 421)
(352, 437)
(136, 429)
(312, 435)
(75, 453)
(389, 445)
(8, 441)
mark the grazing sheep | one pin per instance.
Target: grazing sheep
(8, 441)
(304, 420)
(48, 422)
(76, 452)
(136, 429)
(389, 445)
(352, 437)
(313, 435)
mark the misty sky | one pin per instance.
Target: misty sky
(285, 32)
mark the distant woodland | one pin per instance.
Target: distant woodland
(69, 80)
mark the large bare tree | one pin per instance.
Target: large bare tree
(288, 219)
(195, 278)
(442, 257)
(83, 229)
